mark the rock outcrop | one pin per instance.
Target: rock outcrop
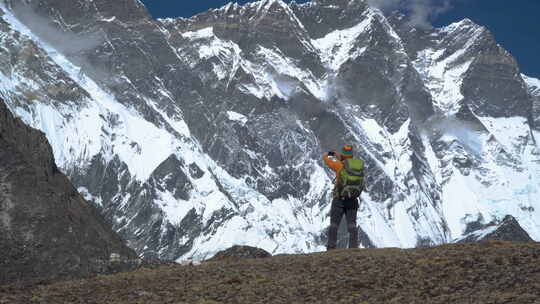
(47, 230)
(507, 230)
(241, 252)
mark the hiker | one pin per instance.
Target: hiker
(348, 187)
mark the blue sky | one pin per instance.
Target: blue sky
(515, 24)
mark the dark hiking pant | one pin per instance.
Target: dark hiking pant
(339, 208)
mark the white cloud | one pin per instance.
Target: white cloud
(385, 5)
(419, 12)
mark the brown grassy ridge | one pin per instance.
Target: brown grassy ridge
(495, 272)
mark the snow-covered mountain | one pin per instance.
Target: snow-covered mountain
(197, 134)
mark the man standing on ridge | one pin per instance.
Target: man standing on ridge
(349, 185)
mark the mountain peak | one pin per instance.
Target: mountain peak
(336, 3)
(462, 25)
(268, 4)
(246, 99)
(260, 6)
(321, 17)
(248, 12)
(265, 7)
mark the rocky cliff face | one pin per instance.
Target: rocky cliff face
(47, 230)
(197, 134)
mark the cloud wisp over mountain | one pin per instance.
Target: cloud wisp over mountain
(419, 12)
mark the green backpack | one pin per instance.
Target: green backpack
(351, 178)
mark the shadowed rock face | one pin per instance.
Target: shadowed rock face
(507, 230)
(47, 230)
(534, 91)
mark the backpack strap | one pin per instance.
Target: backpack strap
(351, 171)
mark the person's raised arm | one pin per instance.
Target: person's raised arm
(333, 164)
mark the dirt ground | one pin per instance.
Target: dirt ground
(496, 272)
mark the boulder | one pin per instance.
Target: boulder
(241, 252)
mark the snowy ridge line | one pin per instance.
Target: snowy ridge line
(266, 85)
(507, 183)
(404, 230)
(87, 123)
(443, 76)
(335, 47)
(199, 34)
(102, 103)
(533, 84)
(480, 233)
(270, 215)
